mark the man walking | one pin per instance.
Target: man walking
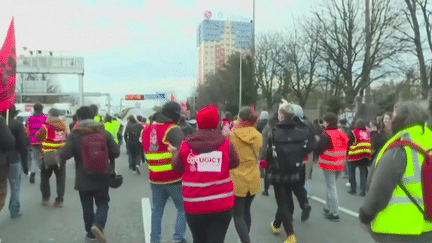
(7, 143)
(92, 169)
(53, 135)
(17, 161)
(165, 182)
(33, 125)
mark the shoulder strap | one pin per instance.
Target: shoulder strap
(412, 145)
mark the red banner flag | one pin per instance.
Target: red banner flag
(184, 109)
(8, 70)
(173, 98)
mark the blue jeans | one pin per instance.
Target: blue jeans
(332, 202)
(363, 177)
(36, 159)
(15, 187)
(101, 199)
(160, 194)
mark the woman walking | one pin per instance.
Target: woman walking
(206, 186)
(247, 183)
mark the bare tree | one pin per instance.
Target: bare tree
(297, 57)
(427, 17)
(347, 48)
(266, 68)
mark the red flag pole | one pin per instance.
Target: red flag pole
(7, 117)
(8, 70)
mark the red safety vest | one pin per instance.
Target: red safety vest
(54, 140)
(334, 158)
(158, 157)
(206, 182)
(361, 148)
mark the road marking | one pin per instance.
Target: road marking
(146, 215)
(347, 211)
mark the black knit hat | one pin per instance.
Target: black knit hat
(172, 110)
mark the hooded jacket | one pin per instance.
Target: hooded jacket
(58, 125)
(7, 143)
(205, 141)
(175, 135)
(247, 142)
(72, 148)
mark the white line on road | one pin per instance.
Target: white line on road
(146, 215)
(347, 211)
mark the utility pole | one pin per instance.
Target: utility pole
(253, 33)
(240, 85)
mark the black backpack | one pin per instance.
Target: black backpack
(288, 148)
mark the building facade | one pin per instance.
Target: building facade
(217, 40)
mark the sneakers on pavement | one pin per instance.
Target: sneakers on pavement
(45, 203)
(348, 184)
(138, 171)
(291, 239)
(326, 211)
(352, 192)
(306, 212)
(274, 229)
(32, 178)
(332, 217)
(15, 216)
(182, 241)
(98, 233)
(58, 204)
(362, 194)
(265, 193)
(91, 238)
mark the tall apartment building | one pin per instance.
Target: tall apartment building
(217, 40)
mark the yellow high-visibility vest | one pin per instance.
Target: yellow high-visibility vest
(401, 216)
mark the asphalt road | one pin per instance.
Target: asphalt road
(126, 213)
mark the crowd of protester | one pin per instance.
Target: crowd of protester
(212, 169)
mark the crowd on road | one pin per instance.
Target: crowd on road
(212, 169)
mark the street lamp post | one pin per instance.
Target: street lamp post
(240, 85)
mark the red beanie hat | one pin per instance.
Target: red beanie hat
(207, 117)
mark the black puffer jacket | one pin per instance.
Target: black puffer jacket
(7, 143)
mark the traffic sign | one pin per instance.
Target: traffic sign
(134, 97)
(157, 96)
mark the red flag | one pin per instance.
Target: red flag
(8, 70)
(173, 98)
(184, 109)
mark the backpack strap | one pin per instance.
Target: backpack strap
(412, 145)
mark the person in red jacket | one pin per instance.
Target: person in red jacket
(359, 155)
(204, 160)
(332, 149)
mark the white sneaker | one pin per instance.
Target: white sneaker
(348, 184)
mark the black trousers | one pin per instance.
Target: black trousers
(60, 173)
(88, 199)
(301, 194)
(284, 213)
(242, 216)
(266, 181)
(209, 228)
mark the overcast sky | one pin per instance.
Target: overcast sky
(133, 46)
